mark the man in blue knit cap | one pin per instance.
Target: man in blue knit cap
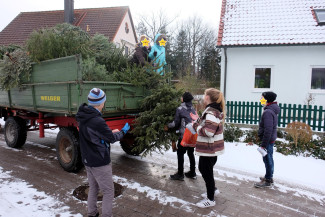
(95, 139)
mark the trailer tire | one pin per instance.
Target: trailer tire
(15, 132)
(68, 150)
(128, 143)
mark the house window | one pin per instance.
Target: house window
(262, 78)
(320, 15)
(318, 78)
(126, 50)
(127, 28)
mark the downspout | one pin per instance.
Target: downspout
(225, 74)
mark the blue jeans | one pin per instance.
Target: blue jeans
(268, 161)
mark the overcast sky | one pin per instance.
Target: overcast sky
(208, 10)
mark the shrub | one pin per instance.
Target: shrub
(232, 133)
(252, 136)
(281, 134)
(300, 133)
(283, 148)
(317, 147)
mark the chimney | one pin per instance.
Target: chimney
(68, 11)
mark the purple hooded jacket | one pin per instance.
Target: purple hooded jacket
(267, 131)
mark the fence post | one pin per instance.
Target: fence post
(315, 117)
(294, 113)
(320, 116)
(239, 112)
(284, 121)
(252, 113)
(260, 111)
(244, 117)
(289, 113)
(227, 109)
(235, 112)
(304, 113)
(309, 115)
(231, 118)
(299, 113)
(255, 112)
(247, 113)
(280, 115)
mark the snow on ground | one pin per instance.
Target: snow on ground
(304, 171)
(18, 198)
(240, 160)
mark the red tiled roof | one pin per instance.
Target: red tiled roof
(270, 22)
(99, 20)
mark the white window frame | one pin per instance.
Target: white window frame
(321, 91)
(261, 90)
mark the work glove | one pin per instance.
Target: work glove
(126, 128)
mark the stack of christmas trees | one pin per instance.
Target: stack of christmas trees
(102, 61)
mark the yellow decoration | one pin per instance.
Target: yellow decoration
(263, 101)
(162, 42)
(145, 42)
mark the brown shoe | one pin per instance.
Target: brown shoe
(263, 184)
(263, 179)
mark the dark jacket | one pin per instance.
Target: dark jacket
(95, 137)
(140, 56)
(182, 117)
(267, 131)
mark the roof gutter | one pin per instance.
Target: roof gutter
(225, 73)
(270, 45)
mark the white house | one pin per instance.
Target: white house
(273, 45)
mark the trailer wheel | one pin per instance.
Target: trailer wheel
(128, 143)
(15, 132)
(68, 150)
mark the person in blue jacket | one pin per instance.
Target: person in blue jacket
(267, 133)
(95, 139)
(158, 53)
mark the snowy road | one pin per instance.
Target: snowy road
(32, 183)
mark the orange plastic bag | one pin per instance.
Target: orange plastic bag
(189, 139)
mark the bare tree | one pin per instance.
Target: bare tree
(199, 34)
(156, 22)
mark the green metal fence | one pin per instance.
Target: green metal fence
(250, 113)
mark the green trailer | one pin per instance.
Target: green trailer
(51, 99)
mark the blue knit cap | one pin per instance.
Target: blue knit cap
(96, 97)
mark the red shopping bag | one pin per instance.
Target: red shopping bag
(189, 139)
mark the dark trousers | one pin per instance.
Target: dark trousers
(206, 168)
(268, 161)
(180, 157)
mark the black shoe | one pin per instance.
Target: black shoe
(191, 175)
(94, 215)
(263, 179)
(177, 176)
(263, 184)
